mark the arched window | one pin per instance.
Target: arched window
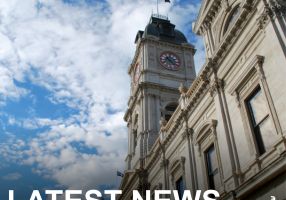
(232, 18)
(135, 135)
(205, 137)
(169, 109)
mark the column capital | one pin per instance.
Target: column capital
(164, 163)
(216, 85)
(188, 133)
(259, 67)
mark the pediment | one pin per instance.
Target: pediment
(205, 4)
(205, 13)
(203, 9)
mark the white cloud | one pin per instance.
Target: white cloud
(81, 55)
(200, 54)
(12, 176)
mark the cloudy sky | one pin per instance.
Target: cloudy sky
(64, 88)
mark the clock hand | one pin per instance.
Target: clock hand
(171, 60)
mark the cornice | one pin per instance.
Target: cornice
(257, 60)
(165, 74)
(206, 15)
(272, 9)
(265, 17)
(144, 85)
(278, 7)
(154, 154)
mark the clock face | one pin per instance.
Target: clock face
(137, 71)
(170, 60)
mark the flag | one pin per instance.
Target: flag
(118, 173)
(167, 1)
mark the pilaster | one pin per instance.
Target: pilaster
(217, 92)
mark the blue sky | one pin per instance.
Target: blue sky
(62, 99)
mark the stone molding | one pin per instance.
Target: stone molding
(278, 7)
(206, 15)
(264, 18)
(215, 86)
(206, 125)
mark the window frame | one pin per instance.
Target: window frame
(205, 137)
(255, 134)
(231, 18)
(211, 174)
(177, 171)
(135, 136)
(182, 184)
(255, 125)
(251, 78)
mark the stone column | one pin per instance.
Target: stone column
(266, 90)
(187, 136)
(165, 165)
(275, 12)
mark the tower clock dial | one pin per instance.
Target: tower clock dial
(137, 71)
(170, 60)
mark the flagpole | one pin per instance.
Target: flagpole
(157, 8)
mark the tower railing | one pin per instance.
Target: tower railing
(160, 16)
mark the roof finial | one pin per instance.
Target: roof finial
(183, 89)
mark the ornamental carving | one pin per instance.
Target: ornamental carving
(278, 7)
(216, 85)
(164, 163)
(273, 8)
(264, 18)
(188, 133)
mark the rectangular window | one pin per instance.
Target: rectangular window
(134, 140)
(212, 168)
(262, 126)
(180, 187)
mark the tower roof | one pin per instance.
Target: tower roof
(162, 28)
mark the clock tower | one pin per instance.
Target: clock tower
(163, 61)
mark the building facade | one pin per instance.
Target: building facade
(224, 129)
